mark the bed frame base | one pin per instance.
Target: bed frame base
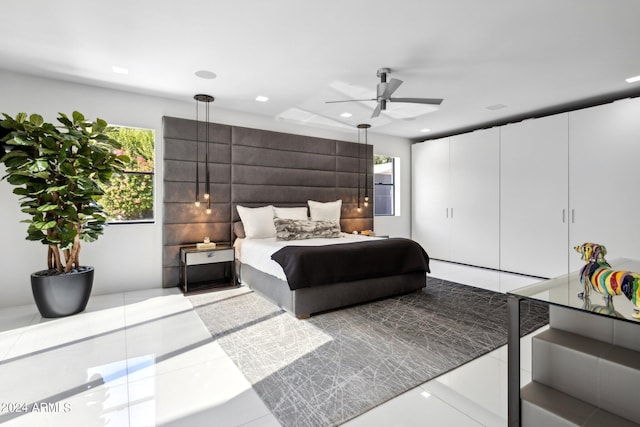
(307, 301)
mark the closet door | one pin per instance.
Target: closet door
(604, 179)
(430, 196)
(534, 196)
(475, 205)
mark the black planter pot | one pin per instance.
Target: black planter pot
(59, 295)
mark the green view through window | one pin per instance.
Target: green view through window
(129, 197)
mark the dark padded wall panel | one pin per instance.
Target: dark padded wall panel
(259, 175)
(254, 195)
(183, 222)
(253, 167)
(271, 167)
(256, 156)
(281, 141)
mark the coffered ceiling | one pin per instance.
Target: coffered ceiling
(488, 59)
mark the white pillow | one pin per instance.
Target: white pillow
(291, 213)
(329, 211)
(257, 222)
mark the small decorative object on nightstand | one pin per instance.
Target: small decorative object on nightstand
(370, 233)
(205, 254)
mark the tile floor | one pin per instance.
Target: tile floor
(145, 359)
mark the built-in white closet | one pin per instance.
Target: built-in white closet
(518, 197)
(604, 178)
(456, 197)
(534, 196)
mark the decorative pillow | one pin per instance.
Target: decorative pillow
(257, 222)
(299, 229)
(325, 211)
(291, 213)
(238, 230)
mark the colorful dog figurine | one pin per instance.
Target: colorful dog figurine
(598, 274)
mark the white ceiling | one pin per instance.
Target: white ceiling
(526, 55)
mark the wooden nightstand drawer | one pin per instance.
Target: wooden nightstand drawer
(206, 269)
(208, 256)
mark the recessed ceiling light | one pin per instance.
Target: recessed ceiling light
(633, 79)
(425, 130)
(346, 115)
(261, 98)
(205, 74)
(119, 70)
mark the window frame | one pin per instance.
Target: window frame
(392, 185)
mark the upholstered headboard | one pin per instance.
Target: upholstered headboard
(254, 167)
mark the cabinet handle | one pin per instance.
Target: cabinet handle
(451, 213)
(573, 216)
(563, 213)
(447, 212)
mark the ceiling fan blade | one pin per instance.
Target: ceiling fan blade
(376, 112)
(349, 100)
(432, 101)
(391, 86)
(386, 89)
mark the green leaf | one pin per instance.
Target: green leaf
(58, 188)
(39, 165)
(42, 174)
(19, 140)
(20, 191)
(13, 154)
(47, 208)
(36, 236)
(36, 120)
(17, 179)
(44, 150)
(77, 117)
(67, 169)
(17, 162)
(42, 225)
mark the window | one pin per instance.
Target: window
(384, 185)
(129, 197)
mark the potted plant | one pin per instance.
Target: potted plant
(59, 173)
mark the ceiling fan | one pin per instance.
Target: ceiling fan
(384, 91)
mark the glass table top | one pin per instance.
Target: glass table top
(563, 291)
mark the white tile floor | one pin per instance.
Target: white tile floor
(145, 359)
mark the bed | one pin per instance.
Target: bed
(311, 275)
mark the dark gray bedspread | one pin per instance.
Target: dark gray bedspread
(307, 266)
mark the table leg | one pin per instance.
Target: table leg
(513, 359)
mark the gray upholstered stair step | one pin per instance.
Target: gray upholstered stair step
(545, 406)
(597, 373)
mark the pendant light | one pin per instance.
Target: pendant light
(359, 166)
(362, 129)
(207, 99)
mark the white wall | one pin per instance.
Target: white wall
(129, 257)
(400, 224)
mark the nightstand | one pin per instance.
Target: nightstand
(193, 258)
